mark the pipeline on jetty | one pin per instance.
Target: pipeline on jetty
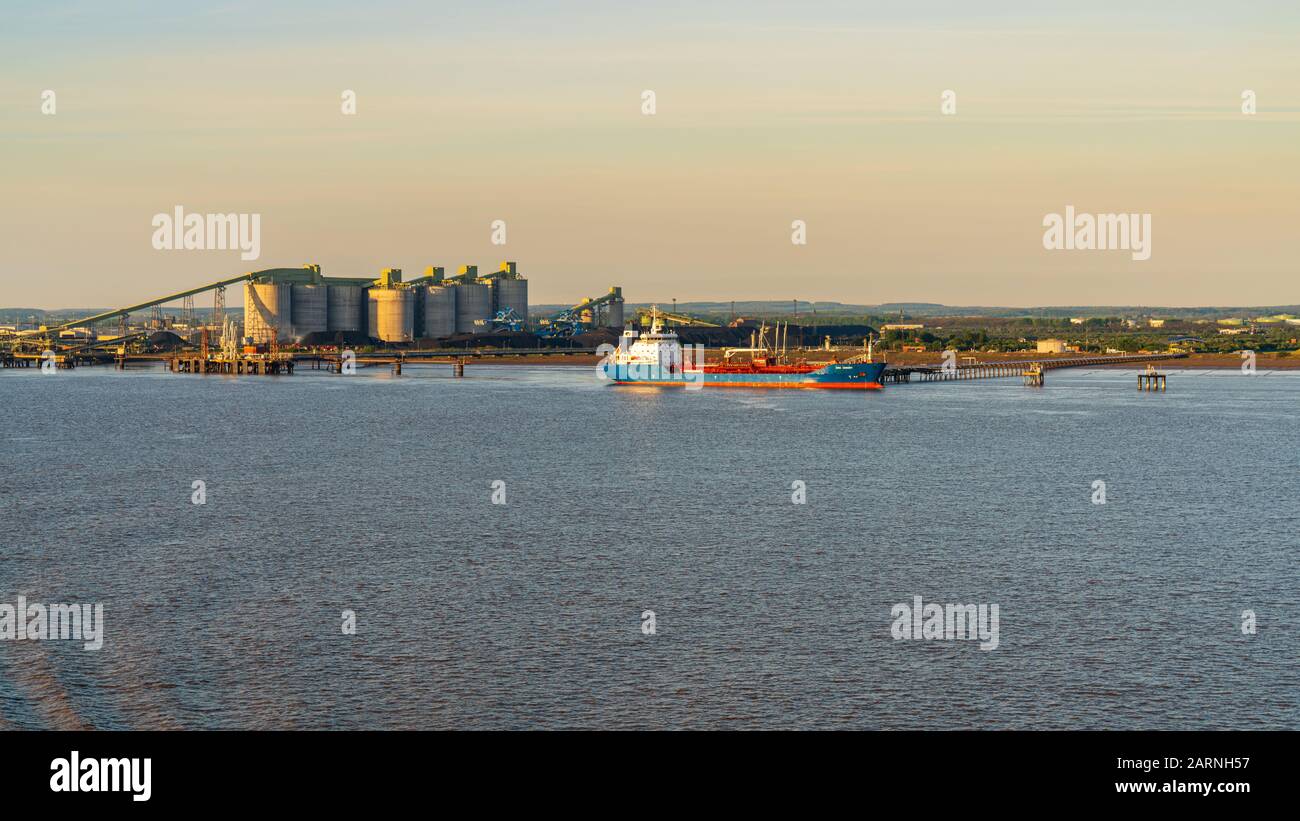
(284, 363)
(995, 370)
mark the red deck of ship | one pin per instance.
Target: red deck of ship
(805, 368)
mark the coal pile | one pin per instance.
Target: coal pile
(507, 340)
(591, 339)
(351, 339)
(713, 337)
(164, 341)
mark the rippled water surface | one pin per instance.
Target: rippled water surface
(373, 494)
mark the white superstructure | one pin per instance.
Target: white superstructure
(656, 347)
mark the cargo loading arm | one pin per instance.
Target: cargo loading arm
(643, 317)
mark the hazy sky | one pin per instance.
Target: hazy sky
(766, 113)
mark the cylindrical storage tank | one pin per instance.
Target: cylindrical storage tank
(268, 309)
(392, 314)
(616, 314)
(512, 294)
(473, 302)
(344, 308)
(439, 311)
(309, 310)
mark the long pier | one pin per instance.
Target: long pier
(448, 354)
(237, 366)
(262, 365)
(997, 370)
(285, 363)
(62, 361)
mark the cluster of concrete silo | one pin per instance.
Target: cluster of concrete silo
(467, 303)
(293, 303)
(288, 312)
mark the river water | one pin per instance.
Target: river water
(375, 495)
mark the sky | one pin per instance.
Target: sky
(765, 113)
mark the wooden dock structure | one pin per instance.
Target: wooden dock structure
(1034, 376)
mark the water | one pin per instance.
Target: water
(373, 494)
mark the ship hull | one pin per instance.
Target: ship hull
(855, 376)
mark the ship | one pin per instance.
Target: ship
(657, 357)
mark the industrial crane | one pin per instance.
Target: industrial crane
(579, 318)
(507, 320)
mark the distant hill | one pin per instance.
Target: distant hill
(890, 310)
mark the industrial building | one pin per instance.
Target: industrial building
(296, 305)
(288, 304)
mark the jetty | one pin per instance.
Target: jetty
(1151, 380)
(996, 370)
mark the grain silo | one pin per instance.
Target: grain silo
(510, 294)
(344, 308)
(473, 306)
(392, 314)
(439, 310)
(309, 310)
(268, 311)
(615, 310)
